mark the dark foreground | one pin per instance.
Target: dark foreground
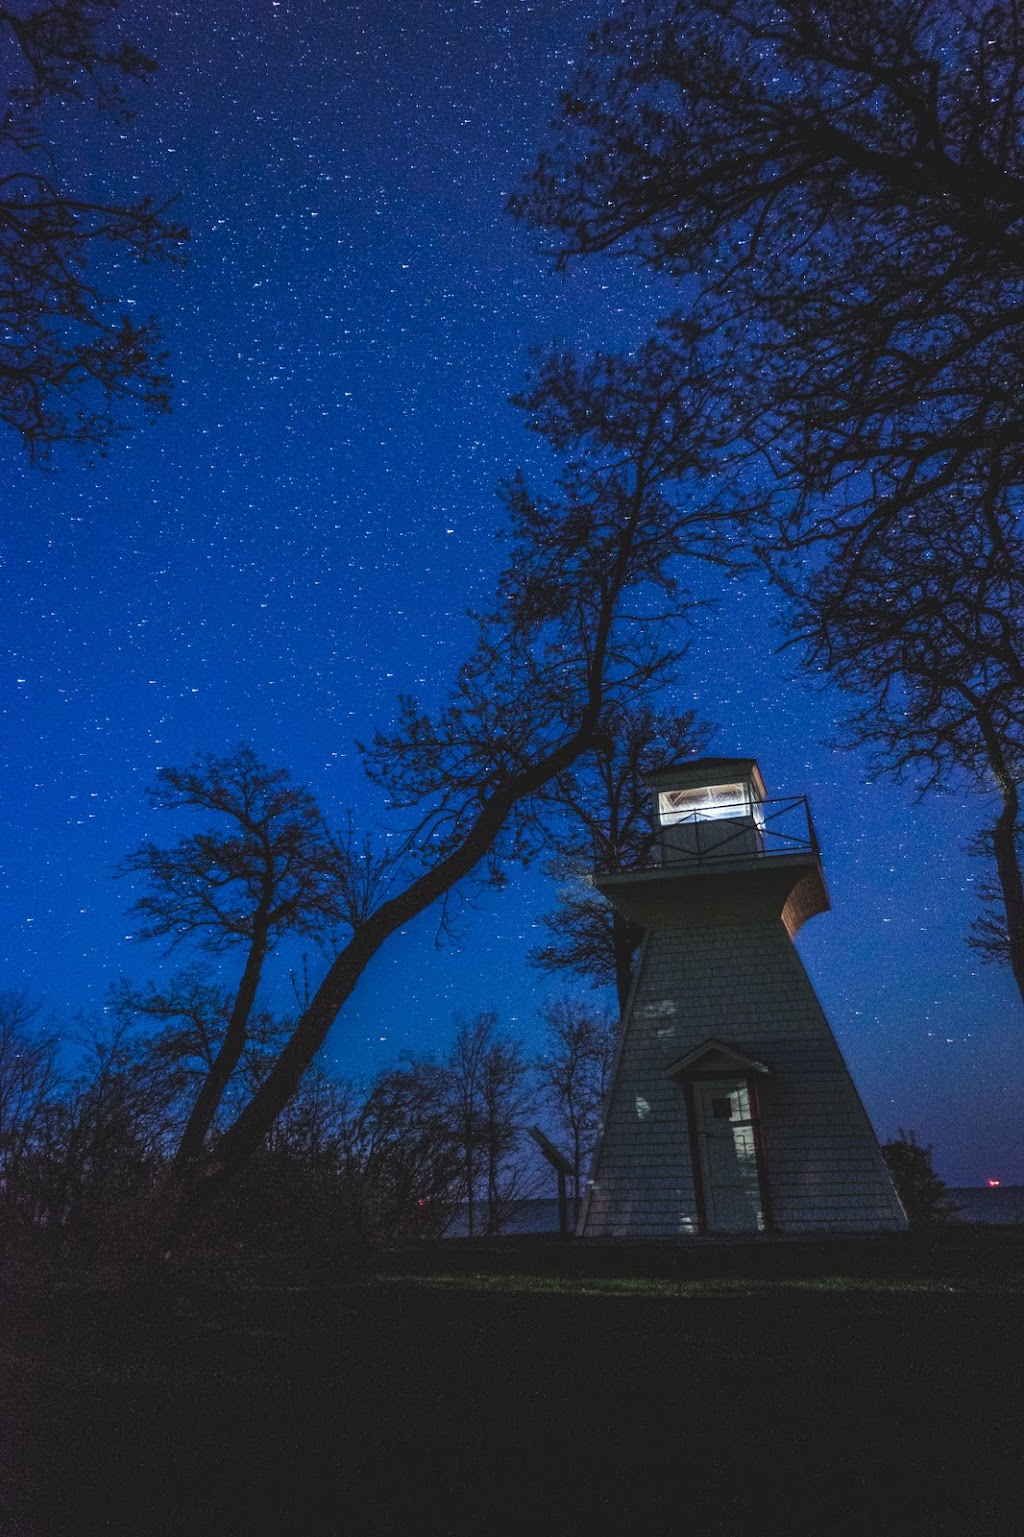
(531, 1387)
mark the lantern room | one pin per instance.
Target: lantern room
(711, 808)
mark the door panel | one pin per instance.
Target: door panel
(728, 1156)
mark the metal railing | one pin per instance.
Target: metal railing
(761, 830)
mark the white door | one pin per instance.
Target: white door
(728, 1156)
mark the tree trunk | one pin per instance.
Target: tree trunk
(624, 942)
(224, 1063)
(207, 1178)
(1004, 848)
(493, 1214)
(242, 1138)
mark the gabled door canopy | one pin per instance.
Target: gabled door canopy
(714, 1056)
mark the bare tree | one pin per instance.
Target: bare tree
(840, 186)
(608, 823)
(507, 1105)
(586, 936)
(29, 1083)
(582, 622)
(184, 1023)
(265, 869)
(185, 1019)
(573, 1071)
(838, 190)
(112, 1132)
(404, 1167)
(464, 1076)
(489, 1103)
(84, 1155)
(68, 354)
(926, 629)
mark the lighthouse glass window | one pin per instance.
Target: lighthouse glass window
(704, 805)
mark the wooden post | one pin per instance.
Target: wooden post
(562, 1166)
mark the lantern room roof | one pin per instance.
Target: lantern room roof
(700, 772)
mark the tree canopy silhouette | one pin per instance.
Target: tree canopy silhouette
(929, 639)
(266, 868)
(841, 186)
(608, 823)
(585, 618)
(838, 190)
(69, 354)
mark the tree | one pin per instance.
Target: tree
(185, 1023)
(573, 1072)
(928, 635)
(485, 1077)
(463, 1075)
(29, 1083)
(505, 1103)
(838, 191)
(609, 823)
(110, 1135)
(84, 1156)
(266, 869)
(67, 357)
(582, 622)
(403, 1166)
(924, 1195)
(841, 187)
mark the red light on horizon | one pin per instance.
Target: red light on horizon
(992, 1183)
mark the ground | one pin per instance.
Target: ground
(864, 1388)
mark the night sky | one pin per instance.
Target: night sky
(299, 540)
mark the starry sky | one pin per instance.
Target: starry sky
(299, 540)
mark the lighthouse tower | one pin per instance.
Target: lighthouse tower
(730, 1109)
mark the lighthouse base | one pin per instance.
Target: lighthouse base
(732, 1112)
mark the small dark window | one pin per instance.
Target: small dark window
(721, 1109)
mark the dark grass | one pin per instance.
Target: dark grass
(528, 1386)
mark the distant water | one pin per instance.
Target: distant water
(980, 1203)
(536, 1216)
(1002, 1206)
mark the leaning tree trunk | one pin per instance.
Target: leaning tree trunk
(227, 1058)
(470, 1187)
(204, 1179)
(209, 1176)
(1011, 885)
(1005, 851)
(625, 938)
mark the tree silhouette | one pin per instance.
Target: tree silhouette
(403, 1165)
(484, 1076)
(841, 189)
(924, 1195)
(584, 620)
(926, 629)
(838, 191)
(266, 868)
(29, 1081)
(608, 823)
(573, 1071)
(69, 354)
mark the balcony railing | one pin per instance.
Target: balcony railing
(761, 830)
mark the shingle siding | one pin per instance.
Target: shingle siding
(740, 982)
